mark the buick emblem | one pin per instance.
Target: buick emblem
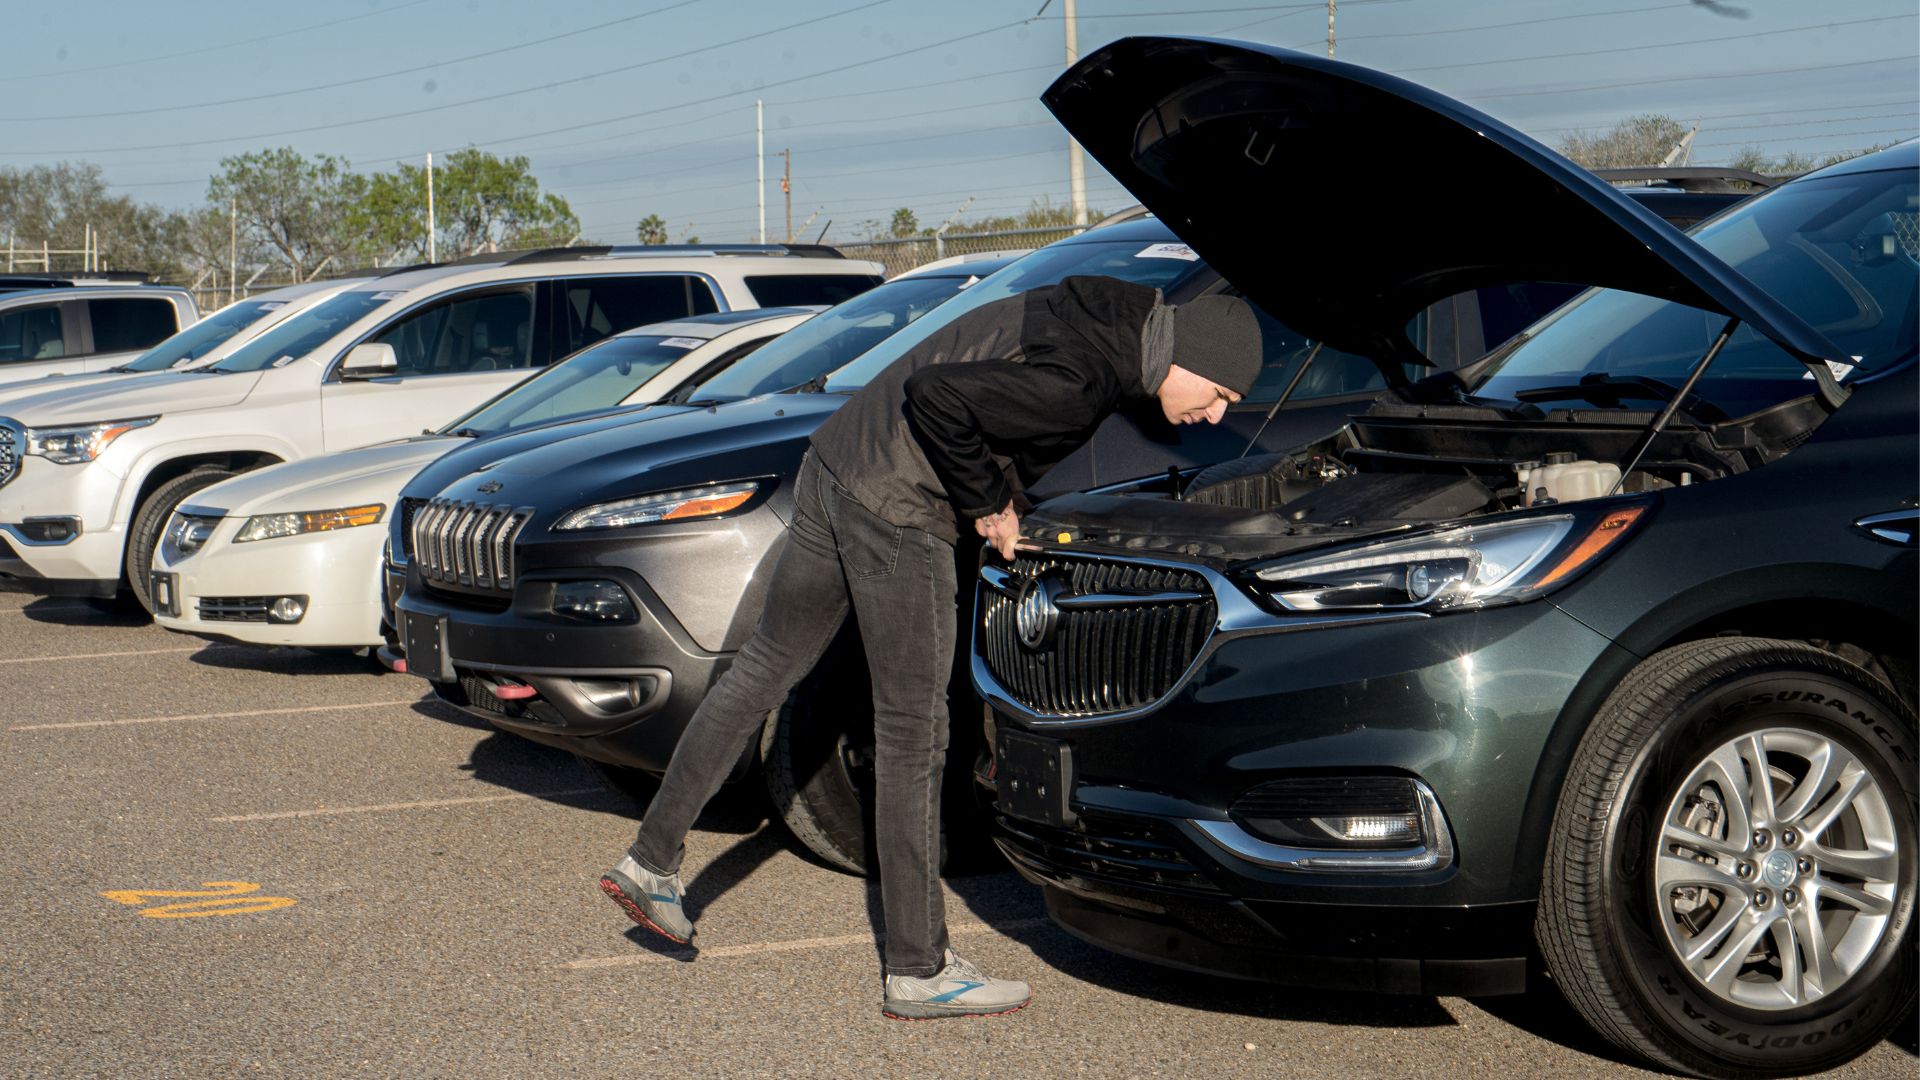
(490, 487)
(1036, 614)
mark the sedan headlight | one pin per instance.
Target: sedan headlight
(683, 505)
(189, 533)
(75, 443)
(1471, 566)
(269, 526)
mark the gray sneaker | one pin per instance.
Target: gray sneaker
(958, 989)
(655, 901)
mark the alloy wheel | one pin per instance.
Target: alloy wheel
(1776, 869)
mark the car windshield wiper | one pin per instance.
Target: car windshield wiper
(1610, 392)
(461, 433)
(815, 385)
(707, 403)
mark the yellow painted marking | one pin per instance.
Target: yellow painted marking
(799, 945)
(229, 898)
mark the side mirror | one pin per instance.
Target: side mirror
(369, 360)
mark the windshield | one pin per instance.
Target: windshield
(832, 338)
(1145, 263)
(204, 336)
(303, 333)
(1840, 251)
(597, 377)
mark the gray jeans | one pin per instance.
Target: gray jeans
(899, 584)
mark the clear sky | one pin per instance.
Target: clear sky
(631, 107)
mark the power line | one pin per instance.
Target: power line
(355, 81)
(1659, 45)
(1761, 112)
(1810, 123)
(1516, 22)
(95, 69)
(458, 104)
(1908, 131)
(1909, 58)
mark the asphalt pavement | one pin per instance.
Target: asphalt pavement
(222, 861)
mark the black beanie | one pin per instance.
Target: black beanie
(1218, 338)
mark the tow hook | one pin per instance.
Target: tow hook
(513, 691)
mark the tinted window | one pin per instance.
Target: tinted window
(304, 332)
(1840, 251)
(1128, 260)
(124, 324)
(31, 334)
(491, 331)
(832, 338)
(596, 308)
(790, 290)
(202, 337)
(598, 377)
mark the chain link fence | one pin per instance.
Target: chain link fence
(903, 254)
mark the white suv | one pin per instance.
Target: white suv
(88, 477)
(67, 325)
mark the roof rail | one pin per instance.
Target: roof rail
(584, 252)
(1129, 214)
(1691, 177)
(55, 281)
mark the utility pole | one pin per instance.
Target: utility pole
(432, 227)
(760, 143)
(786, 188)
(1330, 29)
(1076, 163)
(233, 247)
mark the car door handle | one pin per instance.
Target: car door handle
(1893, 527)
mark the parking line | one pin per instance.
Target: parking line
(427, 804)
(102, 655)
(212, 716)
(799, 945)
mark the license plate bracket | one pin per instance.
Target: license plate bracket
(425, 637)
(1034, 778)
(164, 589)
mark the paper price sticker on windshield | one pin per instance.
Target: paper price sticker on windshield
(1167, 251)
(681, 343)
(390, 294)
(1840, 370)
(274, 306)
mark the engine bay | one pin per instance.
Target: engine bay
(1405, 464)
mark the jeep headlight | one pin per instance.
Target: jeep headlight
(1469, 566)
(76, 443)
(683, 505)
(270, 526)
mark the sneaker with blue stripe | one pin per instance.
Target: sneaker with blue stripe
(957, 989)
(655, 901)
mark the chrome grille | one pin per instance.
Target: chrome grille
(1114, 655)
(465, 545)
(10, 447)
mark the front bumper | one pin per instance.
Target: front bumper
(1465, 704)
(336, 574)
(621, 693)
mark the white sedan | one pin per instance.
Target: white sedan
(279, 556)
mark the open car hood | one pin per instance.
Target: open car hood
(1344, 200)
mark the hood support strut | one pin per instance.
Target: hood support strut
(1286, 393)
(1659, 424)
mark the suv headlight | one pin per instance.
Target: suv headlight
(1469, 566)
(75, 443)
(682, 505)
(269, 526)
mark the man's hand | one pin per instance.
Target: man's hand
(1002, 530)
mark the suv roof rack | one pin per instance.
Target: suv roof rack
(583, 252)
(1691, 177)
(62, 281)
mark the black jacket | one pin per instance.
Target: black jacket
(990, 402)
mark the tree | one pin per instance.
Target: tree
(1636, 141)
(305, 211)
(904, 223)
(482, 202)
(651, 230)
(1793, 162)
(58, 204)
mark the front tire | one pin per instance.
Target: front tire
(1729, 887)
(150, 521)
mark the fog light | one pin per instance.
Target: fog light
(50, 530)
(1354, 812)
(594, 601)
(287, 609)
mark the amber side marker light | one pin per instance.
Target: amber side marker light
(708, 506)
(1607, 532)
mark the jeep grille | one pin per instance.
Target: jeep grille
(464, 545)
